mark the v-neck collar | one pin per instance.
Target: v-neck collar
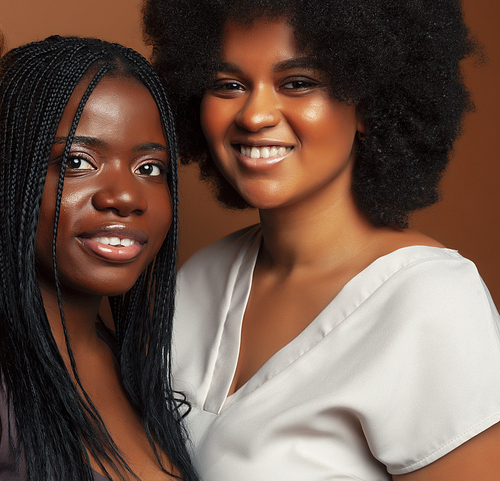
(351, 296)
(229, 348)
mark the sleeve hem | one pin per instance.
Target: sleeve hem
(449, 446)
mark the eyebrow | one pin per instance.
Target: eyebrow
(298, 63)
(80, 140)
(94, 142)
(151, 146)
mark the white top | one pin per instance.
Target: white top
(399, 369)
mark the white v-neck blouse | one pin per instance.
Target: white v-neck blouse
(398, 370)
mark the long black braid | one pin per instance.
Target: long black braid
(57, 427)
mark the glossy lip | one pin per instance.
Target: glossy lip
(260, 164)
(117, 254)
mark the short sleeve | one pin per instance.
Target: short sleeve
(440, 361)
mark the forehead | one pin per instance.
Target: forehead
(261, 38)
(120, 113)
(122, 99)
(111, 89)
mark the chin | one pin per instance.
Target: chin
(116, 290)
(104, 287)
(261, 198)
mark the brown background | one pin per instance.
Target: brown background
(468, 217)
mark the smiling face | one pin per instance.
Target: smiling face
(116, 208)
(271, 126)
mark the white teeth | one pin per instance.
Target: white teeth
(102, 240)
(114, 241)
(263, 152)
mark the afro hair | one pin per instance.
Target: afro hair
(397, 61)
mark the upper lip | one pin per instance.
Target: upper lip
(116, 230)
(262, 143)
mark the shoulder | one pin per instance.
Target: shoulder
(437, 335)
(428, 292)
(423, 307)
(434, 295)
(427, 274)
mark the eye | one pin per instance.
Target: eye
(78, 163)
(299, 84)
(226, 89)
(150, 170)
(222, 85)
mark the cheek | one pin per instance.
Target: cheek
(312, 114)
(327, 124)
(46, 214)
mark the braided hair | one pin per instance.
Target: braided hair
(57, 425)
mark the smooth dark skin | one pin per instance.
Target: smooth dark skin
(315, 239)
(113, 178)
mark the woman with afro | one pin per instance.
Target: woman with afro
(330, 341)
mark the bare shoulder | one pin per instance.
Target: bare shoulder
(390, 239)
(414, 237)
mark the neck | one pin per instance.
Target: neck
(80, 314)
(309, 236)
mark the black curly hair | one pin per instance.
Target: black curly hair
(396, 60)
(58, 427)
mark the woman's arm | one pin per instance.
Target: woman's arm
(476, 460)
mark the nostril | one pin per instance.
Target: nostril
(122, 202)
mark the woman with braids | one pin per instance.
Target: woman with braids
(89, 209)
(330, 342)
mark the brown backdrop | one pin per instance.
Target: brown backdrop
(468, 217)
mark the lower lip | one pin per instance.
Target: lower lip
(112, 253)
(260, 164)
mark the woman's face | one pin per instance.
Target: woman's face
(116, 207)
(271, 126)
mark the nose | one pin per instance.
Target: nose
(119, 191)
(260, 110)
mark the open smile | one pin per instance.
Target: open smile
(263, 152)
(114, 243)
(262, 156)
